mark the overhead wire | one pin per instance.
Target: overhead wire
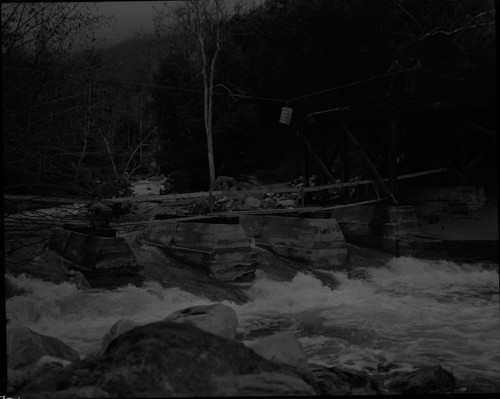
(281, 100)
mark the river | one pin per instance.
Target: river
(410, 313)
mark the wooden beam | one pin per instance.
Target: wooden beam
(369, 164)
(34, 198)
(344, 162)
(298, 210)
(167, 197)
(481, 128)
(305, 171)
(461, 146)
(423, 173)
(393, 173)
(316, 157)
(335, 153)
(481, 154)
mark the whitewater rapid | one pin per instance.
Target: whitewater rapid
(410, 313)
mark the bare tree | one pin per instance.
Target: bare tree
(205, 25)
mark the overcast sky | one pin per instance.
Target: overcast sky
(130, 16)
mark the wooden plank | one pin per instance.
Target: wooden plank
(163, 221)
(339, 185)
(369, 164)
(423, 173)
(35, 198)
(254, 212)
(299, 210)
(481, 128)
(167, 197)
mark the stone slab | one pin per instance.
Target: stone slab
(316, 242)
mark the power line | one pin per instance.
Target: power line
(316, 93)
(347, 85)
(202, 91)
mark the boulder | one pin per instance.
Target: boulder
(217, 319)
(78, 279)
(171, 359)
(427, 380)
(268, 203)
(251, 203)
(120, 327)
(333, 381)
(282, 348)
(286, 204)
(358, 274)
(16, 379)
(25, 346)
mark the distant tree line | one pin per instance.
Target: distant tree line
(70, 127)
(284, 49)
(67, 127)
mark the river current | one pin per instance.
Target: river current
(410, 313)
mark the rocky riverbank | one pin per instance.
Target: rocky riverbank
(193, 352)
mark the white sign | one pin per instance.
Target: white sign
(286, 115)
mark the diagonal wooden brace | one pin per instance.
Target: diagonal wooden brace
(369, 164)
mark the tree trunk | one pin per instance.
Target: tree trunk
(208, 84)
(85, 139)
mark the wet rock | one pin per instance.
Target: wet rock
(120, 327)
(358, 274)
(334, 381)
(74, 392)
(251, 203)
(21, 250)
(170, 273)
(12, 288)
(25, 346)
(78, 279)
(46, 267)
(16, 379)
(286, 204)
(268, 203)
(217, 319)
(172, 359)
(255, 384)
(282, 348)
(424, 381)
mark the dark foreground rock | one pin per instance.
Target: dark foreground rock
(172, 359)
(282, 348)
(424, 381)
(333, 381)
(25, 346)
(30, 354)
(217, 319)
(119, 328)
(12, 288)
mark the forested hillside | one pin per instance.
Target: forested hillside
(82, 122)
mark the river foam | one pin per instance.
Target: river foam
(409, 313)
